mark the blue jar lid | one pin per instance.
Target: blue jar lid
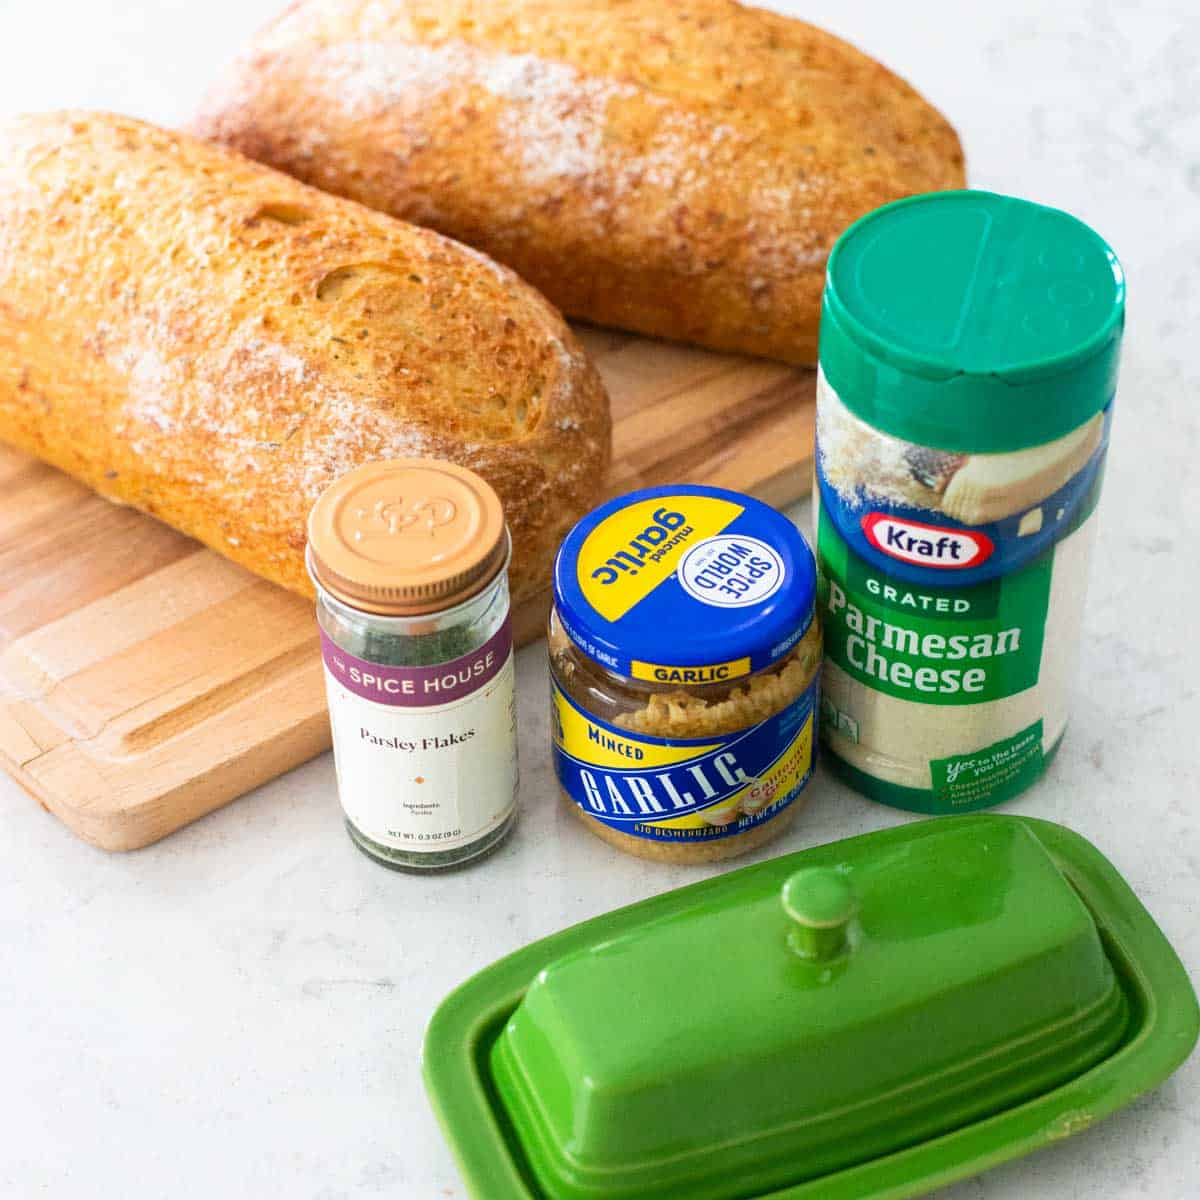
(685, 585)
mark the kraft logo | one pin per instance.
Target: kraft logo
(927, 545)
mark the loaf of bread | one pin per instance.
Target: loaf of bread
(675, 167)
(210, 341)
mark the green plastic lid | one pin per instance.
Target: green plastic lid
(972, 322)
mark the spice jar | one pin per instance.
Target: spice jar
(684, 656)
(969, 347)
(410, 563)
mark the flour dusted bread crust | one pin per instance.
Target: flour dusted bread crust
(210, 341)
(676, 167)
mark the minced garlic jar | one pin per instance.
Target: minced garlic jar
(684, 657)
(969, 348)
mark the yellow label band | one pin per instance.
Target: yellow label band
(781, 780)
(636, 548)
(602, 745)
(684, 676)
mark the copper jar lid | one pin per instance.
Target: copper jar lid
(406, 536)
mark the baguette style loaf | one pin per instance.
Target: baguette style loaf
(680, 168)
(208, 340)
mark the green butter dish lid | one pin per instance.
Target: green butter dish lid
(971, 321)
(875, 1017)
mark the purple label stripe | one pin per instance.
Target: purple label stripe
(419, 687)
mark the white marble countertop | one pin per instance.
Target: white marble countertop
(237, 1011)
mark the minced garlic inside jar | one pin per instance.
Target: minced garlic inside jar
(666, 746)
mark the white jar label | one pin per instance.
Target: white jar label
(426, 757)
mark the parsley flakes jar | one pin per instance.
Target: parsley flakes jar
(684, 656)
(410, 563)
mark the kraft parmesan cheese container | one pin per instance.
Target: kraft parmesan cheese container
(684, 657)
(969, 349)
(409, 558)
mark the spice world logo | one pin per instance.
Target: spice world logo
(926, 545)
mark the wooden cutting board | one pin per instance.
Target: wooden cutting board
(145, 681)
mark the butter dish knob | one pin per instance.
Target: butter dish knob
(822, 905)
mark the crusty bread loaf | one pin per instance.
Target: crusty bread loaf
(675, 167)
(206, 339)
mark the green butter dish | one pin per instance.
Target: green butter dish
(873, 1018)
